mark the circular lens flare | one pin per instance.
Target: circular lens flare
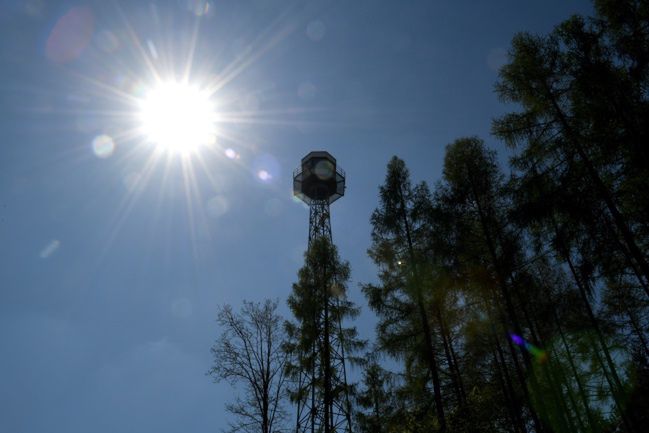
(178, 117)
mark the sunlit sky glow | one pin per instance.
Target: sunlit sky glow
(145, 176)
(178, 117)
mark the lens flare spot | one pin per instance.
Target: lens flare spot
(217, 206)
(517, 339)
(540, 355)
(264, 175)
(324, 170)
(198, 7)
(231, 153)
(103, 146)
(50, 248)
(70, 35)
(266, 168)
(135, 88)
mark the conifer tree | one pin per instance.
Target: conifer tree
(581, 174)
(583, 117)
(321, 309)
(487, 253)
(376, 399)
(403, 300)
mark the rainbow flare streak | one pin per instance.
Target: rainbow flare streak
(539, 354)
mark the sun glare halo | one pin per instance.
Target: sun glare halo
(178, 117)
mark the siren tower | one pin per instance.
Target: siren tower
(322, 395)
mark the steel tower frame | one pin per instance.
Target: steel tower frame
(323, 404)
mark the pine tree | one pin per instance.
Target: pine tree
(318, 335)
(583, 118)
(581, 172)
(404, 300)
(376, 399)
(488, 255)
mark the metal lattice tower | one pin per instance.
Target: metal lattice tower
(323, 405)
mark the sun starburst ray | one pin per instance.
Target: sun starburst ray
(131, 198)
(179, 110)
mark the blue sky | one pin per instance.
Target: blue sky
(113, 266)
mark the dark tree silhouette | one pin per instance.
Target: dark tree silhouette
(249, 353)
(404, 301)
(376, 399)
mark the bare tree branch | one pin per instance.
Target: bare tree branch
(249, 353)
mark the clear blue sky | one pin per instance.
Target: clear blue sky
(112, 269)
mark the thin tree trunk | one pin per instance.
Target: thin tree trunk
(563, 379)
(449, 358)
(582, 392)
(327, 365)
(456, 365)
(637, 329)
(513, 403)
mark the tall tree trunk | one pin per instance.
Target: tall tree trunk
(563, 379)
(428, 338)
(580, 386)
(558, 400)
(615, 384)
(509, 305)
(449, 358)
(432, 365)
(633, 319)
(513, 404)
(618, 218)
(456, 365)
(264, 423)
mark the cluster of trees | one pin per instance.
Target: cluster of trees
(519, 301)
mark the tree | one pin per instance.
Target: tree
(319, 344)
(487, 255)
(581, 167)
(583, 118)
(404, 301)
(376, 399)
(528, 297)
(249, 352)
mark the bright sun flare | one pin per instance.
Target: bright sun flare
(178, 117)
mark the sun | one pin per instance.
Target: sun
(178, 117)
